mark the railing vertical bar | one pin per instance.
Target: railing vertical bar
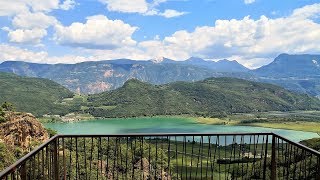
(289, 162)
(141, 158)
(225, 155)
(285, 153)
(149, 156)
(247, 167)
(184, 143)
(64, 160)
(23, 172)
(120, 153)
(233, 151)
(294, 163)
(219, 155)
(198, 159)
(265, 158)
(91, 158)
(156, 163)
(38, 166)
(318, 168)
(201, 156)
(132, 158)
(85, 157)
(208, 156)
(273, 159)
(169, 150)
(70, 158)
(241, 150)
(77, 159)
(193, 142)
(115, 159)
(176, 154)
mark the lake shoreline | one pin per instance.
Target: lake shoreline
(167, 124)
(303, 126)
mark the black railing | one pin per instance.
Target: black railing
(168, 156)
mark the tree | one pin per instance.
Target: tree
(2, 119)
(7, 106)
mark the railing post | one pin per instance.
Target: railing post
(55, 159)
(273, 159)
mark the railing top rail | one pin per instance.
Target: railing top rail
(21, 161)
(317, 153)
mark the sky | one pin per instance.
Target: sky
(253, 32)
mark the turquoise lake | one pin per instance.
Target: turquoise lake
(164, 125)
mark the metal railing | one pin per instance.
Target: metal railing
(168, 156)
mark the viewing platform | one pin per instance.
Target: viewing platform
(168, 157)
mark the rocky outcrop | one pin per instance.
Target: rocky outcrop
(22, 130)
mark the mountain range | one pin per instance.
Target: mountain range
(95, 77)
(300, 73)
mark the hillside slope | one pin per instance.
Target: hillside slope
(35, 95)
(210, 97)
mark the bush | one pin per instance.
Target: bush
(51, 132)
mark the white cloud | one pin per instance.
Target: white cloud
(41, 5)
(170, 13)
(141, 7)
(68, 4)
(30, 20)
(98, 33)
(30, 28)
(12, 53)
(30, 36)
(252, 41)
(132, 6)
(15, 53)
(12, 7)
(249, 1)
(309, 11)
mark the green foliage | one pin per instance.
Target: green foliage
(6, 156)
(7, 106)
(51, 132)
(35, 95)
(2, 118)
(312, 143)
(213, 97)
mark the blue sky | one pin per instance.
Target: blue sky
(253, 32)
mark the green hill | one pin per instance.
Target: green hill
(35, 95)
(210, 97)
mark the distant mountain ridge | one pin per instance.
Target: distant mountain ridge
(98, 76)
(285, 65)
(299, 73)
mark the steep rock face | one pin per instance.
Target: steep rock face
(22, 130)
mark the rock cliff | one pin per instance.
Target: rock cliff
(22, 130)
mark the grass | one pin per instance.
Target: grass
(299, 126)
(293, 120)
